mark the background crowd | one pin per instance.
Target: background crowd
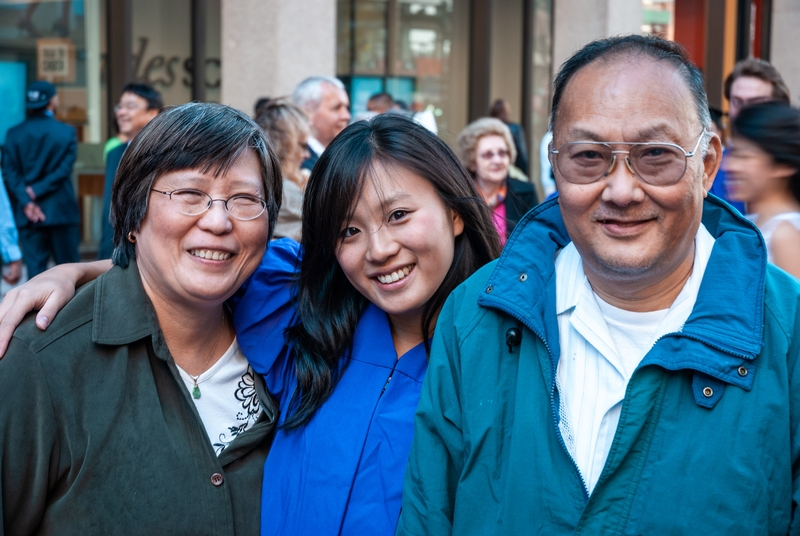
(298, 339)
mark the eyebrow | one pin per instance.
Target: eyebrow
(656, 132)
(394, 198)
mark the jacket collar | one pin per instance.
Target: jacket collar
(122, 311)
(727, 318)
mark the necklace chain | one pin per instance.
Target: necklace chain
(196, 389)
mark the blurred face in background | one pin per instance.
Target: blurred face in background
(492, 158)
(295, 154)
(747, 90)
(332, 114)
(752, 174)
(133, 114)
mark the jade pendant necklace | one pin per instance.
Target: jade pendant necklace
(196, 388)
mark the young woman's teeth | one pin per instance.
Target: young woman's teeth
(394, 276)
(210, 255)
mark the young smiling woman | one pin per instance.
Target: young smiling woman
(392, 223)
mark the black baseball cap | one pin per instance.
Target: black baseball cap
(39, 94)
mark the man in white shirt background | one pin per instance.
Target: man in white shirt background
(325, 101)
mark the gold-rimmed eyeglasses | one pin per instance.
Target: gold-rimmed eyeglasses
(656, 163)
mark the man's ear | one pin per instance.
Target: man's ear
(711, 162)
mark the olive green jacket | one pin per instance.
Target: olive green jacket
(99, 435)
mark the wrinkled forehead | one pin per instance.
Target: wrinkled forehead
(628, 96)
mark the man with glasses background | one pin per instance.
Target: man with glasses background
(137, 106)
(627, 365)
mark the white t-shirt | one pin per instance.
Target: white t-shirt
(228, 403)
(601, 347)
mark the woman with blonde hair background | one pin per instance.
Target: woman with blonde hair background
(486, 149)
(286, 126)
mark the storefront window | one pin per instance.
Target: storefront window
(405, 48)
(658, 18)
(162, 42)
(58, 41)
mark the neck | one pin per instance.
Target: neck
(196, 337)
(642, 295)
(771, 205)
(489, 189)
(406, 332)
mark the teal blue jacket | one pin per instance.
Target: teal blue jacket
(707, 441)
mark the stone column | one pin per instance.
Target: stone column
(578, 22)
(785, 44)
(268, 46)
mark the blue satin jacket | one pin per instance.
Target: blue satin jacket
(342, 473)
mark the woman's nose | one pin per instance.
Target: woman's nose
(382, 245)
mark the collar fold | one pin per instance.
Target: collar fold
(727, 319)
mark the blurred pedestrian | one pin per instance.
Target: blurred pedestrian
(137, 106)
(37, 165)
(486, 149)
(287, 128)
(380, 103)
(752, 81)
(9, 240)
(325, 101)
(763, 166)
(502, 110)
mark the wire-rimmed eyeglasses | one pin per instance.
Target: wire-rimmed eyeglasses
(195, 202)
(656, 163)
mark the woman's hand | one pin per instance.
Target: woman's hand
(48, 292)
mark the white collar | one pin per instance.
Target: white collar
(572, 284)
(315, 145)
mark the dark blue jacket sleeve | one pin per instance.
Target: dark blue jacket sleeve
(264, 307)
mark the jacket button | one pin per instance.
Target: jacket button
(489, 289)
(708, 392)
(217, 479)
(523, 277)
(742, 371)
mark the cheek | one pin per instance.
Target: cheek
(350, 259)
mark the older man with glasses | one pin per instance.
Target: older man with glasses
(627, 365)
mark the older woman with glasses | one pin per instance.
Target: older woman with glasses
(486, 149)
(137, 412)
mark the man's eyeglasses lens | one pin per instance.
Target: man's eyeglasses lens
(195, 202)
(584, 163)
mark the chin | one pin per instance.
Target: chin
(625, 267)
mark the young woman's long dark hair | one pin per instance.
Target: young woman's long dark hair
(328, 305)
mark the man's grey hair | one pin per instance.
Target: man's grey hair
(308, 93)
(656, 48)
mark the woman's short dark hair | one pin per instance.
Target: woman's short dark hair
(775, 128)
(205, 136)
(328, 305)
(631, 45)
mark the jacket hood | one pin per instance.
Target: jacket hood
(727, 318)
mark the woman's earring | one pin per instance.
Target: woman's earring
(131, 238)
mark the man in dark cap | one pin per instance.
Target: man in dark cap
(37, 167)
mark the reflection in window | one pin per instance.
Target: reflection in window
(658, 18)
(402, 47)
